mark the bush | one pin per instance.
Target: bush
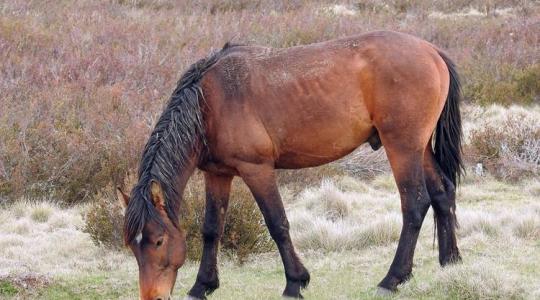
(506, 86)
(104, 221)
(79, 98)
(245, 232)
(508, 146)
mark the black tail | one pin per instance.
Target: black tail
(448, 134)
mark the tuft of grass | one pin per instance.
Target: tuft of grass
(472, 221)
(533, 187)
(385, 182)
(40, 213)
(382, 232)
(327, 201)
(478, 282)
(528, 228)
(19, 209)
(22, 229)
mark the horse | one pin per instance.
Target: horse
(249, 110)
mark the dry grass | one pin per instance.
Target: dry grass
(346, 231)
(51, 247)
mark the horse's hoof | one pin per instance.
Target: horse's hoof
(382, 292)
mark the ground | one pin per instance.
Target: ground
(346, 231)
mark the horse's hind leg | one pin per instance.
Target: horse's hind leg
(261, 180)
(217, 200)
(443, 195)
(406, 160)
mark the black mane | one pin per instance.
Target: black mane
(177, 136)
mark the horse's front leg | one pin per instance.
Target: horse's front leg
(217, 199)
(261, 180)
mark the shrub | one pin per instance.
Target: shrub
(505, 86)
(245, 232)
(508, 145)
(104, 221)
(79, 98)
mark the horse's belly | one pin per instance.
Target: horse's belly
(318, 146)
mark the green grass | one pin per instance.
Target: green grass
(7, 289)
(96, 286)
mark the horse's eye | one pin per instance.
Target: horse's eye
(159, 242)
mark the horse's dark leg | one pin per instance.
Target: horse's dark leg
(261, 180)
(217, 199)
(443, 195)
(409, 175)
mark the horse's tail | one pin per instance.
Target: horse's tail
(448, 133)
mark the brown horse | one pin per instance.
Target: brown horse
(247, 111)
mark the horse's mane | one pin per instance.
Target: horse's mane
(178, 134)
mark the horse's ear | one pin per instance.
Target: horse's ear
(157, 194)
(123, 198)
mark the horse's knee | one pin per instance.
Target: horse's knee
(210, 231)
(415, 211)
(414, 218)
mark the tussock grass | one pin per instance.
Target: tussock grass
(478, 280)
(385, 182)
(40, 214)
(346, 255)
(528, 227)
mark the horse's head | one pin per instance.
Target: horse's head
(160, 249)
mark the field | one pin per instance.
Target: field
(47, 255)
(83, 82)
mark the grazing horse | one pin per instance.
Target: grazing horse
(247, 111)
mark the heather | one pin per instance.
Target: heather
(82, 82)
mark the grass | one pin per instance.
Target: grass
(7, 289)
(40, 214)
(346, 255)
